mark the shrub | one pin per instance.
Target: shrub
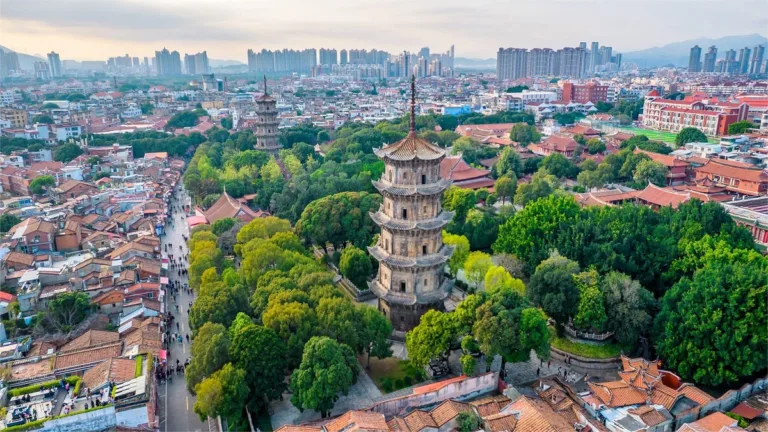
(399, 383)
(72, 380)
(387, 384)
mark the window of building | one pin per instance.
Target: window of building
(386, 245)
(423, 179)
(424, 249)
(402, 286)
(405, 213)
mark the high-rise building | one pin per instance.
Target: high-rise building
(606, 53)
(197, 64)
(511, 63)
(757, 59)
(744, 60)
(710, 59)
(583, 45)
(731, 64)
(594, 56)
(424, 52)
(54, 63)
(328, 57)
(9, 61)
(42, 70)
(516, 63)
(541, 62)
(267, 123)
(344, 58)
(167, 63)
(694, 60)
(410, 250)
(573, 62)
(136, 63)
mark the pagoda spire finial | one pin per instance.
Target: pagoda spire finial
(265, 84)
(413, 103)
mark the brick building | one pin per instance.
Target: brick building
(583, 93)
(707, 115)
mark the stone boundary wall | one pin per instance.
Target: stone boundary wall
(612, 363)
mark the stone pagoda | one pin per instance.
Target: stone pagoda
(410, 250)
(267, 122)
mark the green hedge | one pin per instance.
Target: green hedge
(37, 424)
(72, 380)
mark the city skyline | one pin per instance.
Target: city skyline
(91, 30)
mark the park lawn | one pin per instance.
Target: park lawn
(587, 350)
(667, 137)
(391, 373)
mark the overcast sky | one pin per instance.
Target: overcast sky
(97, 29)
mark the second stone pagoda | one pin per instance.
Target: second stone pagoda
(411, 278)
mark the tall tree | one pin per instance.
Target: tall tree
(339, 218)
(524, 134)
(356, 266)
(374, 333)
(40, 184)
(67, 310)
(689, 134)
(497, 278)
(508, 163)
(740, 127)
(650, 171)
(66, 152)
(477, 266)
(261, 354)
(713, 327)
(431, 339)
(327, 369)
(530, 234)
(209, 352)
(8, 221)
(505, 188)
(460, 252)
(222, 394)
(553, 288)
(628, 306)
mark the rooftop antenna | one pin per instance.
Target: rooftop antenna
(413, 103)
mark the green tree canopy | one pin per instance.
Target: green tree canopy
(531, 232)
(553, 288)
(590, 313)
(356, 266)
(509, 163)
(8, 221)
(261, 354)
(628, 306)
(431, 339)
(712, 328)
(67, 152)
(340, 218)
(542, 184)
(506, 187)
(42, 118)
(460, 253)
(476, 266)
(209, 352)
(327, 370)
(648, 171)
(689, 134)
(67, 310)
(740, 127)
(40, 184)
(222, 394)
(524, 134)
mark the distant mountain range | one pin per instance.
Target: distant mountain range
(471, 63)
(221, 63)
(26, 61)
(677, 53)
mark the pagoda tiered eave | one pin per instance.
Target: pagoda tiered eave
(410, 190)
(404, 262)
(408, 299)
(382, 220)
